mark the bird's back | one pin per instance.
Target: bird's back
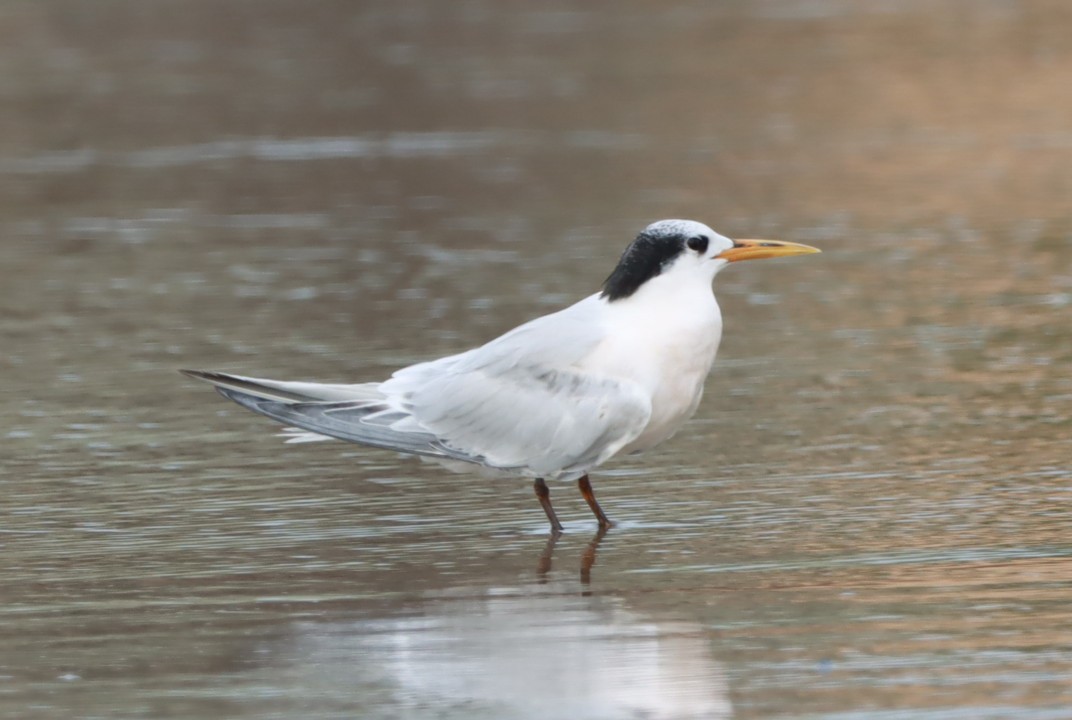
(526, 400)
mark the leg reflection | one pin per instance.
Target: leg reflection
(543, 565)
(588, 557)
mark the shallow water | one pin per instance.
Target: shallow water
(867, 518)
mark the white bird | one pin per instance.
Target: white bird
(618, 372)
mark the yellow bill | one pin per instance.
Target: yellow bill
(759, 249)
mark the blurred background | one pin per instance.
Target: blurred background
(867, 518)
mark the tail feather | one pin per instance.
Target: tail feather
(343, 420)
(297, 436)
(314, 411)
(287, 391)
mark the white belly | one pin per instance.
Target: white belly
(675, 398)
(670, 360)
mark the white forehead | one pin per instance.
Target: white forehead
(679, 227)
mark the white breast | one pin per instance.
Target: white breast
(666, 342)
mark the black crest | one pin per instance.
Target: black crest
(646, 257)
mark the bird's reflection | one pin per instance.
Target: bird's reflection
(518, 652)
(588, 557)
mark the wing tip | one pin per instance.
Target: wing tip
(212, 377)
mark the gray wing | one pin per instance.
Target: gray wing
(520, 402)
(517, 403)
(358, 413)
(547, 421)
(356, 421)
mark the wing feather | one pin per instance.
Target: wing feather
(549, 421)
(520, 403)
(344, 421)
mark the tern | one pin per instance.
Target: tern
(618, 372)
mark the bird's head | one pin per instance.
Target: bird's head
(685, 251)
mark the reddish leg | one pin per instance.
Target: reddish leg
(590, 498)
(544, 496)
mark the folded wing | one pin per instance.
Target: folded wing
(520, 403)
(522, 400)
(548, 421)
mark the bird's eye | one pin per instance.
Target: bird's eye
(697, 243)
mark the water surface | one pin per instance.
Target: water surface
(867, 518)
